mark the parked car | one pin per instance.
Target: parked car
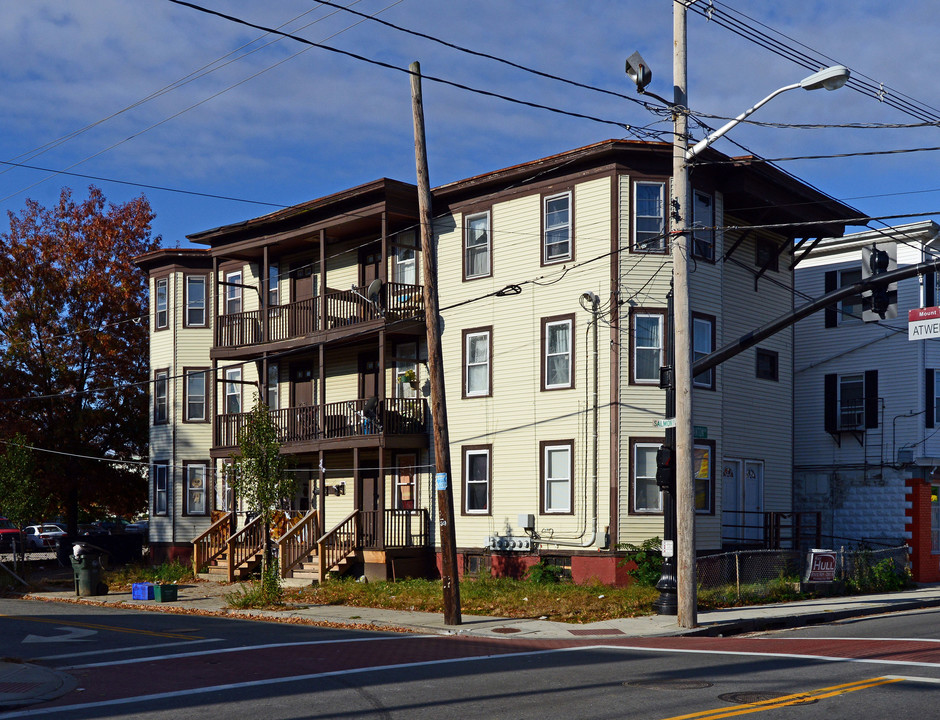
(141, 527)
(114, 526)
(90, 529)
(9, 534)
(42, 537)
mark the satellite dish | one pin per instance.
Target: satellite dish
(374, 287)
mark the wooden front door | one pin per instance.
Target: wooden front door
(370, 260)
(368, 375)
(303, 317)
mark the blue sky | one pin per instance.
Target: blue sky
(274, 127)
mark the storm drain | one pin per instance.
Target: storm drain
(766, 696)
(506, 630)
(669, 684)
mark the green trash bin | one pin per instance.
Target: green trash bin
(87, 567)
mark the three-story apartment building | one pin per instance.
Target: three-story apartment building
(553, 279)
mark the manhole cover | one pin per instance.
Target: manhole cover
(506, 631)
(766, 696)
(669, 684)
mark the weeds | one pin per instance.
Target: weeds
(171, 573)
(264, 592)
(647, 558)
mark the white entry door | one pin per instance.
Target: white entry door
(742, 500)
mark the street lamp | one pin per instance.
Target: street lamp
(675, 475)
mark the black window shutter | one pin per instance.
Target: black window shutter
(871, 398)
(831, 403)
(930, 290)
(831, 313)
(929, 392)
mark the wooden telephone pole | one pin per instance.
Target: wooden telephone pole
(445, 493)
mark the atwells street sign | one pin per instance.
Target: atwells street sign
(923, 323)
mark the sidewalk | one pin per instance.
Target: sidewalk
(23, 683)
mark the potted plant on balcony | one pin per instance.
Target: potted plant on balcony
(409, 377)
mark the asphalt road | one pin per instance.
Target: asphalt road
(132, 664)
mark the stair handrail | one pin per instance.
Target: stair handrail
(298, 542)
(210, 544)
(243, 545)
(336, 545)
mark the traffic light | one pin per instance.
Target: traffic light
(665, 468)
(880, 302)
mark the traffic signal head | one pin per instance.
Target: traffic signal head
(665, 468)
(879, 301)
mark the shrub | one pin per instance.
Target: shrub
(543, 573)
(647, 558)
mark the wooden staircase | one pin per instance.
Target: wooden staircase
(218, 553)
(304, 554)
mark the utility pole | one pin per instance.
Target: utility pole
(445, 493)
(681, 331)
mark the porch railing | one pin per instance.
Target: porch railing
(394, 416)
(298, 542)
(244, 545)
(338, 544)
(297, 319)
(210, 544)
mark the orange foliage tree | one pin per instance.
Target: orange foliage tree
(73, 349)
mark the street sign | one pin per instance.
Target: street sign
(923, 323)
(700, 432)
(665, 423)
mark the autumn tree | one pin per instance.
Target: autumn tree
(73, 348)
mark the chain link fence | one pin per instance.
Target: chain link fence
(756, 574)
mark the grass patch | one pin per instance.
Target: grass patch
(166, 574)
(262, 593)
(498, 597)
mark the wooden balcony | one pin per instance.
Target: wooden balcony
(343, 420)
(343, 308)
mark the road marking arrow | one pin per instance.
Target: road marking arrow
(71, 635)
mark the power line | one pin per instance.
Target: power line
(638, 132)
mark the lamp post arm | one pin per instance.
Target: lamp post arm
(702, 144)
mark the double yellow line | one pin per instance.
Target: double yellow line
(786, 700)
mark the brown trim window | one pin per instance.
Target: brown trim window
(160, 472)
(233, 292)
(557, 475)
(161, 303)
(703, 343)
(649, 217)
(477, 363)
(477, 249)
(557, 236)
(558, 352)
(196, 490)
(647, 345)
(194, 289)
(233, 391)
(768, 365)
(703, 454)
(477, 464)
(161, 397)
(195, 395)
(703, 226)
(645, 495)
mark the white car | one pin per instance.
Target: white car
(42, 537)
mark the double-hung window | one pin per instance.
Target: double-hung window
(161, 402)
(405, 270)
(557, 476)
(196, 486)
(160, 472)
(477, 246)
(647, 341)
(477, 374)
(195, 300)
(557, 353)
(647, 497)
(476, 480)
(703, 343)
(161, 303)
(649, 217)
(406, 370)
(195, 402)
(703, 222)
(233, 292)
(557, 223)
(851, 401)
(233, 391)
(274, 285)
